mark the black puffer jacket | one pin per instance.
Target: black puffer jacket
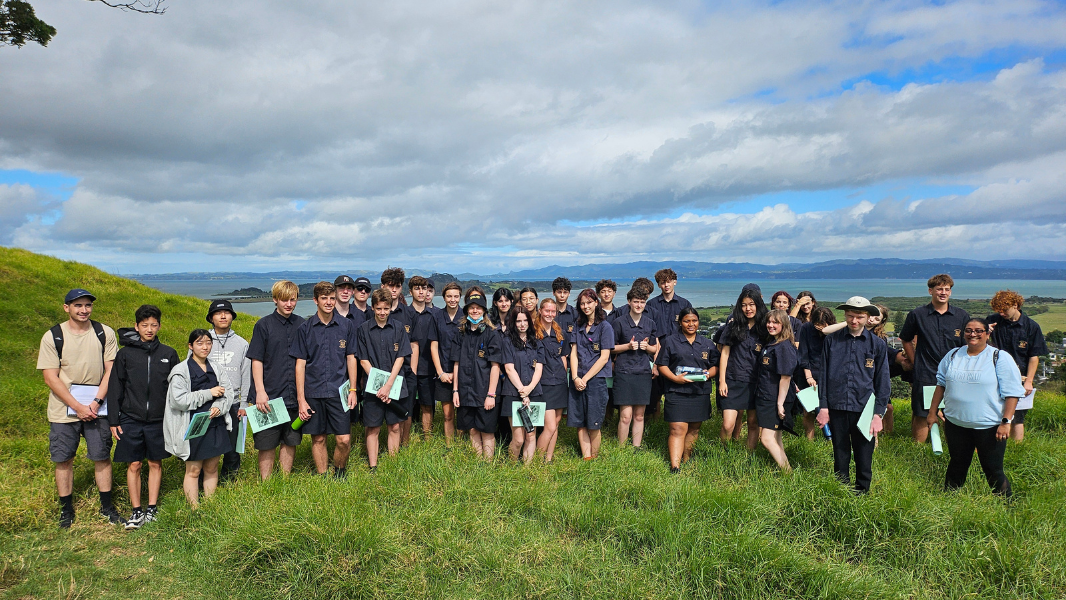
(138, 384)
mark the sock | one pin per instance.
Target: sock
(105, 499)
(138, 507)
(151, 507)
(67, 501)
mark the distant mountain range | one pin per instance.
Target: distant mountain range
(870, 268)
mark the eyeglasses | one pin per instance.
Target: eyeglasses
(975, 331)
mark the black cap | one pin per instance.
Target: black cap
(217, 305)
(429, 284)
(475, 298)
(76, 293)
(362, 282)
(343, 280)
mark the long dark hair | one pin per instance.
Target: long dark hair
(805, 318)
(688, 310)
(494, 312)
(582, 318)
(738, 327)
(512, 331)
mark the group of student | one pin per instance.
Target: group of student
(482, 359)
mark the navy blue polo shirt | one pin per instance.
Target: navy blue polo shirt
(381, 346)
(554, 372)
(810, 349)
(525, 361)
(325, 347)
(272, 337)
(357, 317)
(405, 316)
(937, 334)
(677, 352)
(567, 320)
(796, 324)
(478, 349)
(1022, 339)
(633, 361)
(666, 312)
(425, 331)
(775, 360)
(447, 337)
(743, 356)
(855, 368)
(589, 344)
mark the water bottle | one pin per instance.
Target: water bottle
(298, 422)
(825, 430)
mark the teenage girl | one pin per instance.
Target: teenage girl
(528, 298)
(476, 375)
(741, 345)
(523, 362)
(590, 366)
(811, 337)
(774, 395)
(553, 379)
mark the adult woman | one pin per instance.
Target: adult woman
(811, 337)
(476, 375)
(523, 364)
(198, 386)
(590, 366)
(528, 298)
(553, 378)
(688, 403)
(774, 394)
(805, 304)
(741, 345)
(980, 387)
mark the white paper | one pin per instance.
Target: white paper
(85, 395)
(1026, 402)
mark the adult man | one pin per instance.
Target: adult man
(938, 327)
(423, 334)
(274, 376)
(854, 373)
(229, 352)
(324, 349)
(75, 358)
(565, 316)
(664, 308)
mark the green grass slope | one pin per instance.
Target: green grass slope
(438, 523)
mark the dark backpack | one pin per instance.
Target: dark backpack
(57, 338)
(995, 356)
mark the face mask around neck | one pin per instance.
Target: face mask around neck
(473, 321)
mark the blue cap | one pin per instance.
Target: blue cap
(76, 293)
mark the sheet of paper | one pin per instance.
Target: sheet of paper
(536, 412)
(343, 391)
(377, 378)
(808, 397)
(85, 394)
(198, 425)
(927, 396)
(866, 418)
(610, 382)
(696, 377)
(242, 434)
(1026, 402)
(934, 439)
(277, 415)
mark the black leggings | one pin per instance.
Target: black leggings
(962, 441)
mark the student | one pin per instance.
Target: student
(855, 372)
(606, 290)
(502, 303)
(938, 327)
(197, 386)
(528, 298)
(78, 352)
(811, 338)
(664, 308)
(635, 343)
(774, 394)
(229, 352)
(741, 349)
(590, 366)
(392, 279)
(424, 334)
(136, 401)
(476, 375)
(523, 363)
(361, 311)
(554, 379)
(1016, 334)
(324, 349)
(805, 303)
(688, 403)
(383, 344)
(274, 376)
(442, 350)
(345, 287)
(782, 300)
(565, 316)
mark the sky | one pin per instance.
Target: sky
(475, 136)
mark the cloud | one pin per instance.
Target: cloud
(22, 204)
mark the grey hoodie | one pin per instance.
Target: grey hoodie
(228, 355)
(181, 401)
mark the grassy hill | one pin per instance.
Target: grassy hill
(437, 523)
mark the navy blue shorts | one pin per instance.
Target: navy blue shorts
(139, 441)
(477, 418)
(918, 400)
(330, 418)
(425, 385)
(586, 409)
(375, 413)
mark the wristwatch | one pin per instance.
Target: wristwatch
(1006, 421)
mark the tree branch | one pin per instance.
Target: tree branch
(148, 7)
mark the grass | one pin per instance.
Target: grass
(1054, 318)
(438, 523)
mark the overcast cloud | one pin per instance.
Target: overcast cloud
(485, 136)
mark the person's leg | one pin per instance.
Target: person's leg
(675, 443)
(595, 439)
(341, 451)
(961, 447)
(65, 478)
(919, 426)
(625, 417)
(753, 429)
(372, 445)
(427, 420)
(288, 457)
(518, 439)
(395, 437)
(155, 481)
(102, 471)
(133, 482)
(890, 419)
(810, 426)
(864, 456)
(449, 422)
(266, 463)
(530, 447)
(210, 475)
(840, 427)
(990, 453)
(475, 441)
(729, 425)
(1017, 428)
(231, 461)
(191, 484)
(771, 440)
(546, 442)
(318, 453)
(488, 443)
(691, 434)
(638, 425)
(585, 442)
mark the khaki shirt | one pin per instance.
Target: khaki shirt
(81, 363)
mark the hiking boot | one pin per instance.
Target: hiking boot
(137, 518)
(151, 514)
(111, 513)
(66, 518)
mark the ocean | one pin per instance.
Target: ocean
(700, 292)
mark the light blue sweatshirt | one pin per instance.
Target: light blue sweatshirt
(974, 389)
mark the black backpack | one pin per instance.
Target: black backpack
(57, 338)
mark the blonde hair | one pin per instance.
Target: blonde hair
(284, 290)
(539, 326)
(781, 317)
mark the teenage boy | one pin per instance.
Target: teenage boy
(136, 401)
(274, 376)
(665, 307)
(1021, 337)
(855, 372)
(392, 280)
(75, 358)
(324, 349)
(443, 350)
(361, 311)
(565, 316)
(382, 344)
(229, 352)
(345, 287)
(606, 290)
(938, 327)
(424, 333)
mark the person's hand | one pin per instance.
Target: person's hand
(353, 399)
(525, 401)
(446, 377)
(1002, 432)
(241, 413)
(215, 412)
(723, 389)
(643, 344)
(305, 410)
(218, 391)
(262, 402)
(580, 384)
(383, 393)
(85, 412)
(490, 403)
(907, 364)
(823, 417)
(780, 410)
(455, 399)
(116, 432)
(934, 418)
(811, 382)
(876, 425)
(1027, 384)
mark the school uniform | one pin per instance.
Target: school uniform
(665, 314)
(447, 348)
(587, 408)
(1023, 340)
(632, 368)
(567, 318)
(810, 352)
(687, 402)
(775, 360)
(381, 346)
(325, 347)
(741, 371)
(525, 361)
(855, 369)
(937, 334)
(553, 377)
(407, 317)
(479, 347)
(215, 442)
(425, 332)
(271, 338)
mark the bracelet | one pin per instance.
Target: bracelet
(491, 395)
(455, 391)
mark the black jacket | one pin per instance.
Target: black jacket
(138, 385)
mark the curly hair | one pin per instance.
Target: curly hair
(1004, 299)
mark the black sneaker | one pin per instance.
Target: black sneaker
(111, 513)
(66, 518)
(151, 514)
(137, 518)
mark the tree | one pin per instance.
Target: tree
(19, 24)
(1054, 336)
